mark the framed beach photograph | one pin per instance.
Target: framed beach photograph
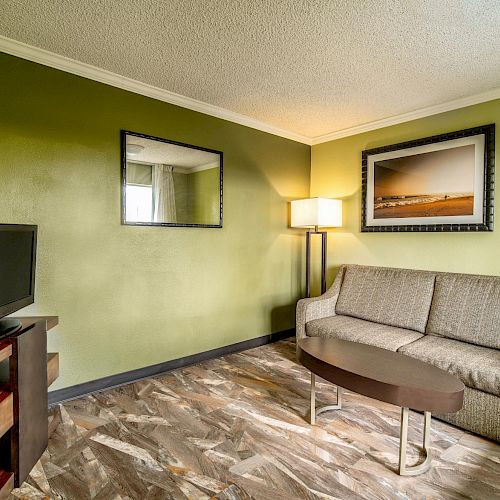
(439, 183)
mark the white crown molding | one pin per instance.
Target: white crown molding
(53, 60)
(47, 58)
(406, 117)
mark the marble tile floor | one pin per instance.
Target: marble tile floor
(236, 428)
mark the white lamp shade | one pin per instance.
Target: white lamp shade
(321, 212)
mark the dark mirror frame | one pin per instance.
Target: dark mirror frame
(123, 137)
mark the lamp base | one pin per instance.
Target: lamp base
(308, 260)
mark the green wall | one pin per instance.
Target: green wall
(205, 196)
(182, 195)
(129, 296)
(336, 173)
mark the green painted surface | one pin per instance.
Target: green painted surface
(205, 196)
(336, 173)
(182, 203)
(130, 296)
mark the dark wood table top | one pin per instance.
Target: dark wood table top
(381, 374)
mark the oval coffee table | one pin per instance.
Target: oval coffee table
(384, 375)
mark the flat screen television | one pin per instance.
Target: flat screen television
(17, 272)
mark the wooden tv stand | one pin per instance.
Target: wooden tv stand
(26, 371)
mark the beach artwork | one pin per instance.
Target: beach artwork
(434, 184)
(438, 183)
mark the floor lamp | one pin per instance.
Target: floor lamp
(313, 213)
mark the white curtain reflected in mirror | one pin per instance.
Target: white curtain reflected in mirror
(163, 193)
(167, 183)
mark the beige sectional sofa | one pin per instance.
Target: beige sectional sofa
(448, 320)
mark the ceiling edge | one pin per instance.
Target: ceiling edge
(53, 60)
(490, 95)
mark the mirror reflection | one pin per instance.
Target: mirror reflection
(169, 183)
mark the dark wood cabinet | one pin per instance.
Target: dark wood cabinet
(25, 370)
(6, 424)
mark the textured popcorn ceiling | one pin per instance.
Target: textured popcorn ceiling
(311, 66)
(171, 154)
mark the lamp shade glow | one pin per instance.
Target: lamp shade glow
(312, 212)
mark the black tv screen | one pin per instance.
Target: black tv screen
(17, 267)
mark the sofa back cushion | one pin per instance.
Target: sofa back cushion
(466, 307)
(395, 297)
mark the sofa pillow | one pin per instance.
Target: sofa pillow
(395, 297)
(466, 307)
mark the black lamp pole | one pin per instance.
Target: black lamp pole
(308, 260)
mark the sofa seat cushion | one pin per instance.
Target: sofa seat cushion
(359, 330)
(466, 307)
(395, 297)
(477, 367)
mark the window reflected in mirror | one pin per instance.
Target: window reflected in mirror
(168, 183)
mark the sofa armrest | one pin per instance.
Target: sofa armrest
(318, 307)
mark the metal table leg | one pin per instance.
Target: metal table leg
(403, 441)
(315, 412)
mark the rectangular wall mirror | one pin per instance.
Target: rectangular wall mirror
(168, 183)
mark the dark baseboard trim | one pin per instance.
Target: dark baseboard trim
(101, 384)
